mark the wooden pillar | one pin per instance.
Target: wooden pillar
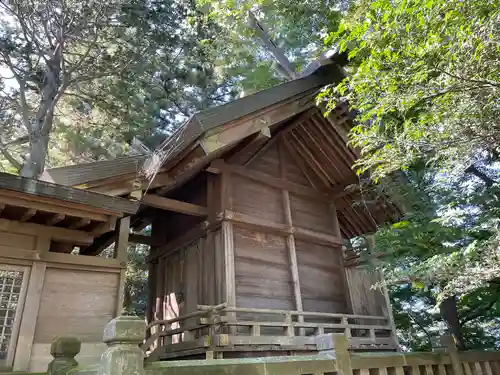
(338, 233)
(29, 318)
(120, 253)
(151, 291)
(386, 303)
(389, 314)
(214, 242)
(290, 240)
(227, 239)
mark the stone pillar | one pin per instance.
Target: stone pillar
(64, 351)
(123, 356)
(449, 343)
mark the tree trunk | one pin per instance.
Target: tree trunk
(449, 313)
(42, 124)
(35, 161)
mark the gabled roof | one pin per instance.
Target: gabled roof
(288, 111)
(298, 94)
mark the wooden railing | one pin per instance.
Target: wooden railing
(217, 329)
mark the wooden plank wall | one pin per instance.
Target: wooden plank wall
(264, 277)
(185, 278)
(320, 276)
(176, 275)
(249, 267)
(77, 303)
(364, 299)
(65, 295)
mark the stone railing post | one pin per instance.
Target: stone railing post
(64, 351)
(335, 346)
(123, 356)
(449, 344)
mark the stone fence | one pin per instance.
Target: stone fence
(124, 334)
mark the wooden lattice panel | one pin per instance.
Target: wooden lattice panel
(11, 294)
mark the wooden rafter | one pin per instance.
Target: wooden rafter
(287, 150)
(168, 204)
(54, 219)
(331, 154)
(252, 146)
(99, 244)
(79, 224)
(28, 215)
(340, 151)
(108, 226)
(316, 151)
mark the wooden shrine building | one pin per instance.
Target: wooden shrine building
(46, 288)
(249, 213)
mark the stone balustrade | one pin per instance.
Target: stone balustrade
(123, 356)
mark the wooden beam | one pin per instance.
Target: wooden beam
(248, 125)
(168, 204)
(126, 184)
(278, 52)
(28, 215)
(251, 222)
(226, 203)
(55, 219)
(59, 234)
(121, 238)
(272, 181)
(13, 199)
(191, 235)
(229, 267)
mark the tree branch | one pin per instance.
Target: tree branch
(84, 56)
(478, 312)
(427, 334)
(482, 176)
(478, 81)
(22, 92)
(9, 157)
(17, 141)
